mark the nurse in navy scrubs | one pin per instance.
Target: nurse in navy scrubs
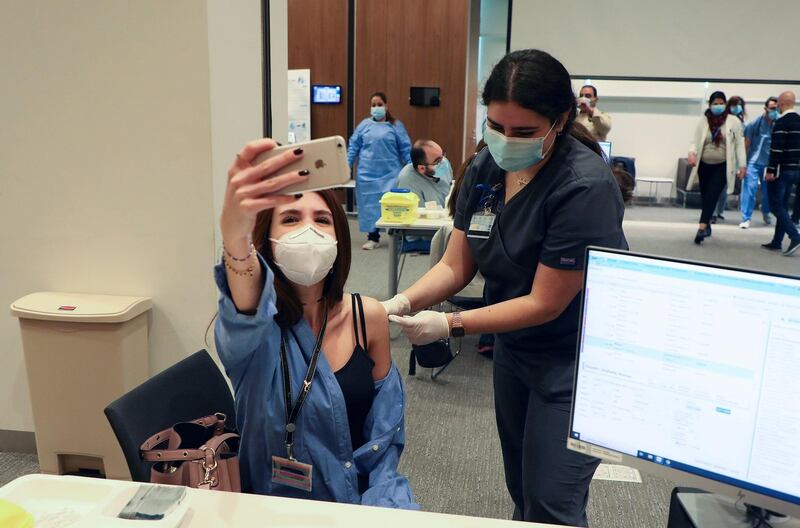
(530, 204)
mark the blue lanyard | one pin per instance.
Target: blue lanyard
(488, 195)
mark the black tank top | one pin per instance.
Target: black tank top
(355, 379)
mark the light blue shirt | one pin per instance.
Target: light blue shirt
(249, 347)
(427, 189)
(759, 133)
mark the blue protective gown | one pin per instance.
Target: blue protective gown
(249, 347)
(382, 150)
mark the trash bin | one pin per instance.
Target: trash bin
(82, 351)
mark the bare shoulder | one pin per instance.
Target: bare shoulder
(378, 346)
(374, 314)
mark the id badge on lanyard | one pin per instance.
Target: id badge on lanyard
(482, 221)
(480, 225)
(292, 473)
(289, 471)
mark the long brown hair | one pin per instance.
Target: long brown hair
(458, 179)
(290, 309)
(389, 117)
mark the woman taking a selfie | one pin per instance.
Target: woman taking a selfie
(529, 205)
(319, 404)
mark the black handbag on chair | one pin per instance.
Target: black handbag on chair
(433, 355)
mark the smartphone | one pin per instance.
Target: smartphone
(324, 158)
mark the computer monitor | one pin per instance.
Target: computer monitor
(326, 94)
(691, 371)
(606, 147)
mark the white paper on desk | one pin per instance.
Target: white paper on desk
(617, 473)
(54, 513)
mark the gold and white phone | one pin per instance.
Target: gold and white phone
(324, 158)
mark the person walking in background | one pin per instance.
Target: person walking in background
(714, 155)
(736, 107)
(382, 147)
(595, 121)
(757, 140)
(783, 173)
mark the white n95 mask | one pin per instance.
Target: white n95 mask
(305, 255)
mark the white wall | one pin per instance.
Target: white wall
(279, 63)
(235, 73)
(116, 117)
(654, 121)
(635, 38)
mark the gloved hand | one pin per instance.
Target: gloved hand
(397, 305)
(423, 328)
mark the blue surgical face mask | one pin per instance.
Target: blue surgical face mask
(718, 109)
(378, 112)
(443, 170)
(737, 110)
(513, 154)
(774, 114)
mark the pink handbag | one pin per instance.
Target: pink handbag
(198, 454)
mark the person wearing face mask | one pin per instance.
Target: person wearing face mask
(783, 173)
(528, 206)
(595, 121)
(319, 404)
(736, 108)
(757, 140)
(382, 147)
(429, 176)
(717, 158)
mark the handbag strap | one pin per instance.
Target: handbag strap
(173, 440)
(207, 451)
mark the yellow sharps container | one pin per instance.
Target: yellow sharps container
(399, 206)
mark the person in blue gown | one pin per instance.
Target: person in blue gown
(382, 147)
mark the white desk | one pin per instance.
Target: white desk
(96, 501)
(655, 181)
(422, 227)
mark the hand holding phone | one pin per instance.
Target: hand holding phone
(253, 188)
(324, 158)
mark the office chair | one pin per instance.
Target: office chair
(189, 389)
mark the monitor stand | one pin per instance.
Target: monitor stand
(707, 510)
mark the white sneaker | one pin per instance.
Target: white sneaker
(370, 245)
(745, 224)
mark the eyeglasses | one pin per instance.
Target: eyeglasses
(437, 161)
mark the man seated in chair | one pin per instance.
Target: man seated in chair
(429, 176)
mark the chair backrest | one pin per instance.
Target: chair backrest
(472, 292)
(189, 389)
(629, 164)
(682, 176)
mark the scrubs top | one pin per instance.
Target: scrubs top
(573, 202)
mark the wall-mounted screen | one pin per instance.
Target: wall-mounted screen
(326, 94)
(424, 96)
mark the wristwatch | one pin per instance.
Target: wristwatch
(456, 325)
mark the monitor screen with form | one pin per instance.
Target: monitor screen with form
(605, 146)
(693, 368)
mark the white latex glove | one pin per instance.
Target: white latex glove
(423, 328)
(397, 305)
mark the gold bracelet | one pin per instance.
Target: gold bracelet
(241, 273)
(245, 259)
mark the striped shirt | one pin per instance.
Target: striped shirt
(784, 153)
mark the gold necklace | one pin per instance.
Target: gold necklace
(522, 182)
